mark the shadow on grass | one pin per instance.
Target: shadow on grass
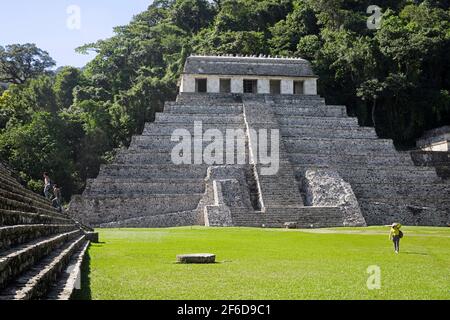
(415, 253)
(85, 292)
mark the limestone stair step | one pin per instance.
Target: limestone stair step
(426, 158)
(336, 159)
(16, 187)
(202, 98)
(311, 111)
(318, 122)
(143, 180)
(305, 217)
(9, 204)
(205, 103)
(308, 132)
(147, 188)
(202, 150)
(169, 219)
(203, 118)
(150, 198)
(113, 208)
(337, 145)
(11, 218)
(64, 286)
(235, 109)
(429, 191)
(358, 175)
(7, 177)
(381, 211)
(167, 129)
(155, 171)
(155, 157)
(4, 169)
(19, 259)
(25, 199)
(11, 236)
(397, 199)
(8, 174)
(443, 171)
(166, 144)
(292, 99)
(35, 283)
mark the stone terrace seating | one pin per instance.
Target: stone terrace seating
(40, 249)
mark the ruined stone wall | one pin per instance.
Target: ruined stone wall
(325, 187)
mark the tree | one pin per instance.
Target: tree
(65, 82)
(370, 90)
(40, 94)
(396, 78)
(18, 63)
(38, 147)
(192, 15)
(286, 34)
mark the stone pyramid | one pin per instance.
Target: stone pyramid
(332, 172)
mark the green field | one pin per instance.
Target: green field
(267, 264)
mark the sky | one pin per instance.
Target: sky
(60, 26)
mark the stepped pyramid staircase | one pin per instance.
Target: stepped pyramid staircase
(332, 172)
(387, 184)
(41, 250)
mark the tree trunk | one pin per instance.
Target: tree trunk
(374, 107)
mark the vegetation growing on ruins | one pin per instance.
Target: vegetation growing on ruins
(268, 264)
(68, 122)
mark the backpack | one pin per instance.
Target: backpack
(400, 234)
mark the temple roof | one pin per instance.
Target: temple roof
(248, 66)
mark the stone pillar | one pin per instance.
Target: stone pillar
(263, 86)
(187, 84)
(287, 87)
(310, 87)
(237, 85)
(213, 84)
(219, 215)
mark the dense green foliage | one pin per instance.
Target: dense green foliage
(18, 63)
(70, 121)
(267, 264)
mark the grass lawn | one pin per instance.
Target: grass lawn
(267, 264)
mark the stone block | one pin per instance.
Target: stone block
(290, 225)
(92, 237)
(197, 258)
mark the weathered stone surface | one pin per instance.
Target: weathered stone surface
(305, 217)
(327, 188)
(176, 219)
(197, 258)
(218, 216)
(36, 242)
(92, 237)
(438, 160)
(290, 225)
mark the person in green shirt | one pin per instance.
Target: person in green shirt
(395, 235)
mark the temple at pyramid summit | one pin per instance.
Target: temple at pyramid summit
(329, 171)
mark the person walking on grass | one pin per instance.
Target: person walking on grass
(47, 185)
(395, 235)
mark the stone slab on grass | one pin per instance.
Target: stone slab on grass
(197, 258)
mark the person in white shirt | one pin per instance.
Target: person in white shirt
(47, 185)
